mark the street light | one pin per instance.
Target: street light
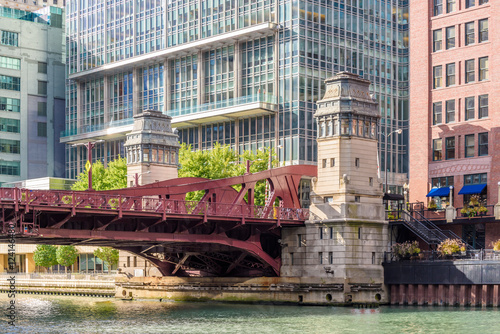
(398, 131)
(90, 145)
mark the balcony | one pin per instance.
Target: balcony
(242, 107)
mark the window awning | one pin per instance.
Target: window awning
(443, 191)
(472, 189)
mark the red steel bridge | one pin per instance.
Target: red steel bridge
(223, 234)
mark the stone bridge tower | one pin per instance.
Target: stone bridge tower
(152, 149)
(346, 235)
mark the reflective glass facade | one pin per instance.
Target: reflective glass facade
(186, 57)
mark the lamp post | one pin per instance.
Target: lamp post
(398, 131)
(90, 145)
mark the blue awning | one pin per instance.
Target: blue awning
(444, 191)
(472, 189)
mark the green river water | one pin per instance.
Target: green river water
(61, 314)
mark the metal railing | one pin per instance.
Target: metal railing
(265, 98)
(119, 203)
(468, 255)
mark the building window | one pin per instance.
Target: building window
(438, 7)
(469, 146)
(450, 148)
(10, 125)
(42, 129)
(482, 2)
(324, 163)
(437, 40)
(469, 33)
(483, 143)
(444, 181)
(42, 67)
(292, 262)
(469, 71)
(10, 83)
(450, 74)
(356, 162)
(359, 233)
(10, 146)
(475, 179)
(9, 38)
(320, 257)
(332, 162)
(450, 111)
(328, 199)
(469, 108)
(450, 6)
(437, 109)
(483, 69)
(450, 37)
(330, 257)
(357, 199)
(321, 232)
(42, 108)
(10, 167)
(10, 63)
(8, 104)
(483, 30)
(438, 76)
(437, 149)
(42, 87)
(470, 3)
(483, 106)
(299, 239)
(370, 181)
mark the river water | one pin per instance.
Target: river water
(61, 314)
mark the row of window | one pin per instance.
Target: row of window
(469, 110)
(469, 146)
(9, 38)
(9, 104)
(450, 6)
(470, 35)
(470, 73)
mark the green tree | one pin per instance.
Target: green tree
(112, 177)
(66, 256)
(108, 255)
(222, 162)
(45, 256)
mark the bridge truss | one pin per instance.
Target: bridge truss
(223, 234)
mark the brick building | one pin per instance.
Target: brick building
(454, 135)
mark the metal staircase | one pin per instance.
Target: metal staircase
(427, 230)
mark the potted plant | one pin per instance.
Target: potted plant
(474, 200)
(450, 247)
(465, 212)
(496, 245)
(432, 205)
(482, 210)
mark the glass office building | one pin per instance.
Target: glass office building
(239, 72)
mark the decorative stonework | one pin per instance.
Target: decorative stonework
(460, 167)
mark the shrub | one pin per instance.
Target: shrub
(451, 246)
(406, 249)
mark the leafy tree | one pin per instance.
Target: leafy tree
(112, 177)
(222, 162)
(66, 256)
(108, 255)
(45, 256)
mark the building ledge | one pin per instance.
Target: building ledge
(243, 107)
(255, 31)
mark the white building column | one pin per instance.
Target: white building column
(167, 99)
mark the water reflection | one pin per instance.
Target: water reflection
(54, 314)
